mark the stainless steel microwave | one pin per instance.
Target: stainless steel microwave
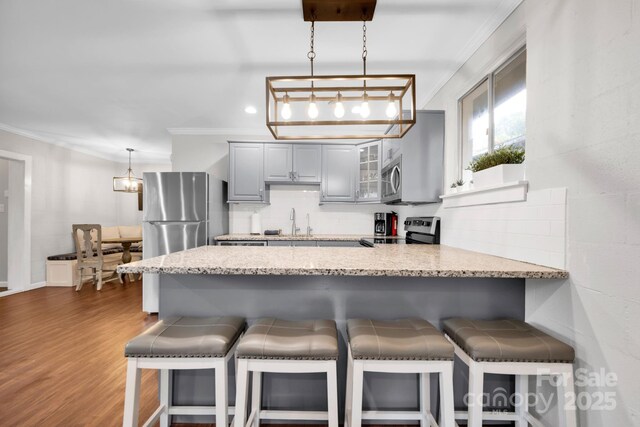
(392, 181)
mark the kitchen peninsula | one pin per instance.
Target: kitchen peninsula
(386, 281)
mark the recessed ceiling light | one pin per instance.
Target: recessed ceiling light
(250, 109)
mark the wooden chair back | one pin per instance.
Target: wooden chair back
(88, 252)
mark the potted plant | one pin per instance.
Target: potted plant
(501, 166)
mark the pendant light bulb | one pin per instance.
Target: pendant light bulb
(313, 107)
(364, 107)
(286, 108)
(339, 110)
(391, 107)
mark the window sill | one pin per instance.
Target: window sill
(503, 193)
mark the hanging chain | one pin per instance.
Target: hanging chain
(312, 53)
(364, 51)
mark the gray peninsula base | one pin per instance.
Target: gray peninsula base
(339, 298)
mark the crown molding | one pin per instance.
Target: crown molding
(114, 157)
(218, 131)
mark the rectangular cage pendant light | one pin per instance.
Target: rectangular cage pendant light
(340, 107)
(365, 106)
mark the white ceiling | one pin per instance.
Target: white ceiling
(102, 75)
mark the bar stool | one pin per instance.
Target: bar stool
(181, 343)
(400, 346)
(511, 347)
(280, 346)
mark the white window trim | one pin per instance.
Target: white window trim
(487, 76)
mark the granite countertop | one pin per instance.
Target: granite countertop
(301, 236)
(381, 260)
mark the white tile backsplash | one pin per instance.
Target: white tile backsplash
(532, 231)
(324, 219)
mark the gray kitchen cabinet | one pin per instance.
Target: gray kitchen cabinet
(278, 162)
(338, 173)
(339, 244)
(368, 185)
(307, 161)
(292, 163)
(294, 243)
(246, 177)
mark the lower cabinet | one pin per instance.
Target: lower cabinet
(339, 244)
(313, 243)
(294, 243)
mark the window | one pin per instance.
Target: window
(493, 113)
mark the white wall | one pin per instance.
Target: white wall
(583, 134)
(69, 187)
(4, 216)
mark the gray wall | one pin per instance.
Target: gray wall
(70, 187)
(4, 185)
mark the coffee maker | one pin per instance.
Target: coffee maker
(385, 224)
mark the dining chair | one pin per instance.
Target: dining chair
(88, 239)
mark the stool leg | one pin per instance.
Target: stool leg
(164, 396)
(475, 398)
(356, 395)
(131, 395)
(332, 394)
(349, 391)
(566, 404)
(256, 396)
(522, 390)
(242, 383)
(222, 389)
(425, 399)
(447, 416)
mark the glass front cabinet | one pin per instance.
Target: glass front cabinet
(369, 172)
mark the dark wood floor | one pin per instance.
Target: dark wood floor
(61, 356)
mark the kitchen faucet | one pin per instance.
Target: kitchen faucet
(308, 226)
(292, 217)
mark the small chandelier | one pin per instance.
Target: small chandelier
(362, 106)
(128, 183)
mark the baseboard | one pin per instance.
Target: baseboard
(28, 288)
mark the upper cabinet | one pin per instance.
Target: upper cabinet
(307, 161)
(292, 163)
(338, 173)
(368, 186)
(246, 176)
(278, 162)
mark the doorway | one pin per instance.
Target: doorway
(15, 222)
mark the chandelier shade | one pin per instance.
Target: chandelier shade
(367, 106)
(128, 183)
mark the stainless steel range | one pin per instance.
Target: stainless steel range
(424, 230)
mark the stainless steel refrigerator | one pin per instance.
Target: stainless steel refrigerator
(181, 210)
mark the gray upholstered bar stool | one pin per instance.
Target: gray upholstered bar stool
(511, 347)
(181, 343)
(280, 346)
(412, 346)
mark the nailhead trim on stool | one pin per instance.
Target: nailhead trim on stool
(399, 346)
(178, 343)
(511, 347)
(280, 346)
